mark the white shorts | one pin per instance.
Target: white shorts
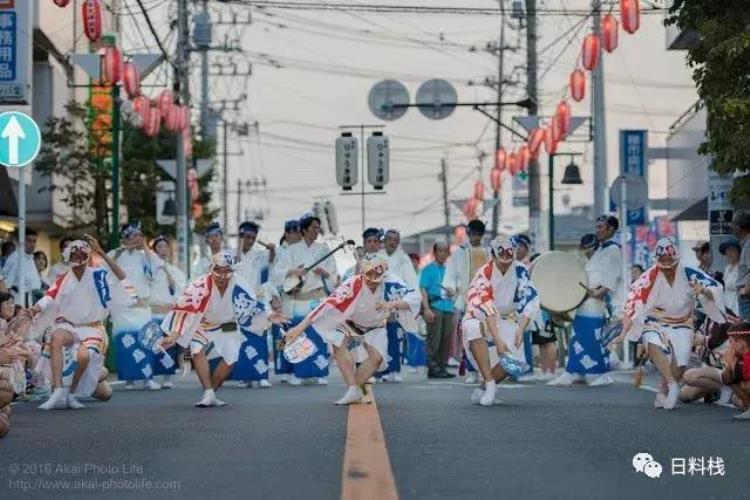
(218, 344)
(676, 340)
(92, 338)
(507, 329)
(377, 338)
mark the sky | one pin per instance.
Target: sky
(330, 60)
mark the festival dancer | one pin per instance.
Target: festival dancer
(212, 317)
(214, 238)
(77, 304)
(167, 286)
(283, 369)
(253, 265)
(315, 286)
(134, 361)
(357, 310)
(460, 269)
(660, 313)
(588, 360)
(499, 305)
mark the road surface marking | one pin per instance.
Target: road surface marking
(367, 469)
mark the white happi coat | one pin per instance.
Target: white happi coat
(458, 274)
(604, 268)
(302, 255)
(30, 275)
(400, 264)
(139, 267)
(651, 297)
(250, 267)
(81, 307)
(161, 292)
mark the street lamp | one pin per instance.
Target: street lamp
(572, 176)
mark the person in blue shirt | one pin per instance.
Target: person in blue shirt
(437, 303)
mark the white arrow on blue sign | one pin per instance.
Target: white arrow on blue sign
(20, 139)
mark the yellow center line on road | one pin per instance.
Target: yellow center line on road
(367, 470)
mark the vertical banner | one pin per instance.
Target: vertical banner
(643, 239)
(720, 215)
(16, 34)
(521, 189)
(633, 161)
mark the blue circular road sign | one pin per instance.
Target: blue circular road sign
(20, 139)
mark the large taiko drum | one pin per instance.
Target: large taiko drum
(560, 278)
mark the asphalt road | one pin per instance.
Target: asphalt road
(289, 442)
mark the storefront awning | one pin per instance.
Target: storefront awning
(696, 211)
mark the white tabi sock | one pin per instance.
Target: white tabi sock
(488, 398)
(353, 394)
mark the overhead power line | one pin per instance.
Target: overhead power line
(409, 9)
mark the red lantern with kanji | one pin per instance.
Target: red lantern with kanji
(112, 64)
(550, 143)
(62, 3)
(590, 53)
(536, 138)
(522, 158)
(165, 103)
(578, 85)
(609, 32)
(562, 116)
(496, 179)
(630, 15)
(501, 158)
(91, 11)
(479, 190)
(131, 79)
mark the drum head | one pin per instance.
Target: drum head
(558, 277)
(299, 350)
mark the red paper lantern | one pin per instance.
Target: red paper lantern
(536, 138)
(630, 14)
(185, 125)
(193, 186)
(470, 208)
(61, 3)
(187, 140)
(522, 158)
(512, 164)
(173, 119)
(479, 190)
(590, 53)
(151, 129)
(131, 79)
(140, 103)
(496, 179)
(112, 63)
(91, 11)
(501, 158)
(164, 102)
(577, 85)
(609, 32)
(562, 116)
(550, 142)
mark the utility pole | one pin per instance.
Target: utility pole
(600, 127)
(497, 207)
(446, 207)
(181, 84)
(203, 47)
(224, 180)
(535, 192)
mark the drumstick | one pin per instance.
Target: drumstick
(264, 244)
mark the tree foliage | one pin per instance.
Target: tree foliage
(85, 183)
(720, 60)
